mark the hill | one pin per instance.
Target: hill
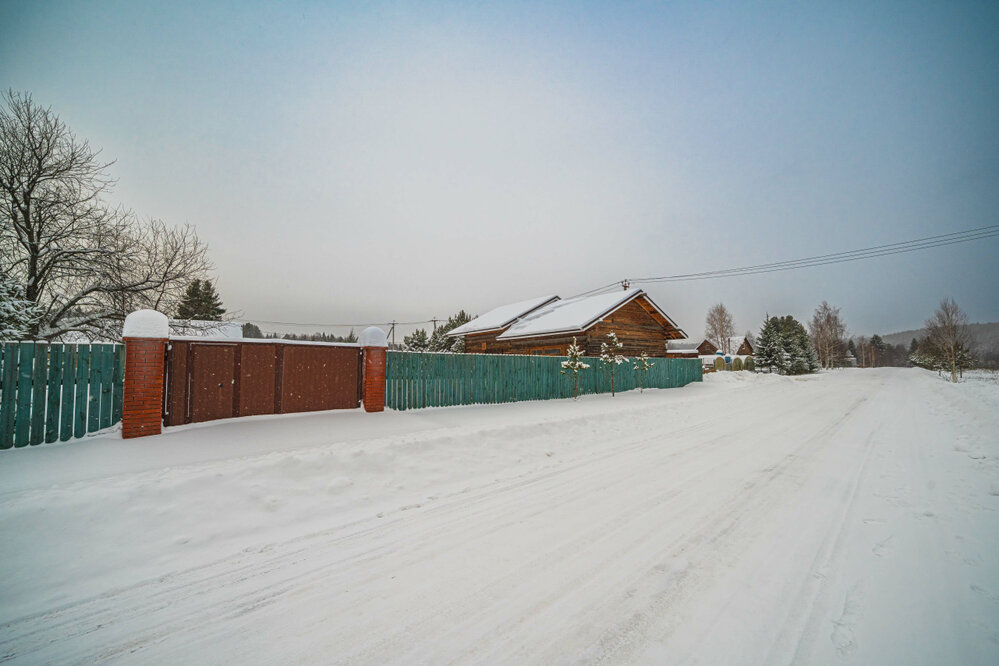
(986, 336)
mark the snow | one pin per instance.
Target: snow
(502, 316)
(574, 314)
(849, 516)
(372, 336)
(146, 324)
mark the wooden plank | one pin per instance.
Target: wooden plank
(107, 382)
(68, 392)
(118, 383)
(81, 398)
(8, 394)
(94, 389)
(54, 392)
(22, 417)
(39, 375)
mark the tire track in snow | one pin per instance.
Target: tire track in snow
(558, 487)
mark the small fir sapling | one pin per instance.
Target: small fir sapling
(611, 357)
(642, 365)
(573, 365)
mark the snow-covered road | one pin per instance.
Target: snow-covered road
(851, 517)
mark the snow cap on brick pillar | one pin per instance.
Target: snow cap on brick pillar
(145, 334)
(374, 342)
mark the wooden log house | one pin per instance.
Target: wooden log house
(547, 326)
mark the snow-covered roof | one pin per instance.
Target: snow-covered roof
(205, 329)
(501, 317)
(571, 315)
(736, 342)
(685, 345)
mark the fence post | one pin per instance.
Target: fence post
(374, 343)
(145, 335)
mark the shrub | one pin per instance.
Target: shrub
(737, 363)
(719, 363)
(750, 364)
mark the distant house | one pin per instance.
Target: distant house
(547, 325)
(738, 346)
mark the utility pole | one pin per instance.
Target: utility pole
(625, 284)
(392, 333)
(435, 324)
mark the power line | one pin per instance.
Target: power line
(299, 323)
(928, 242)
(839, 257)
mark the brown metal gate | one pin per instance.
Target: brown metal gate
(208, 380)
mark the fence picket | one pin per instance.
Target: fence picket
(22, 418)
(94, 386)
(117, 382)
(68, 392)
(82, 397)
(54, 394)
(38, 377)
(107, 382)
(8, 394)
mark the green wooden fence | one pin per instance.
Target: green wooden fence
(51, 392)
(414, 380)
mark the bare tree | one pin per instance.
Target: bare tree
(827, 331)
(947, 333)
(719, 328)
(83, 263)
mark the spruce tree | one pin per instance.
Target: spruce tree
(573, 365)
(252, 331)
(769, 352)
(200, 302)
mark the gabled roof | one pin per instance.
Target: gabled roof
(499, 318)
(574, 314)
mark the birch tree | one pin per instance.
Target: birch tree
(947, 334)
(719, 328)
(827, 331)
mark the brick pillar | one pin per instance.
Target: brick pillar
(145, 336)
(374, 343)
(374, 379)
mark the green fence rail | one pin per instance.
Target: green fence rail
(414, 380)
(54, 392)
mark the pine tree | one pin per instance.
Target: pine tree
(611, 357)
(440, 341)
(417, 341)
(642, 365)
(200, 302)
(17, 314)
(573, 365)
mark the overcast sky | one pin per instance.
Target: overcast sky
(369, 162)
